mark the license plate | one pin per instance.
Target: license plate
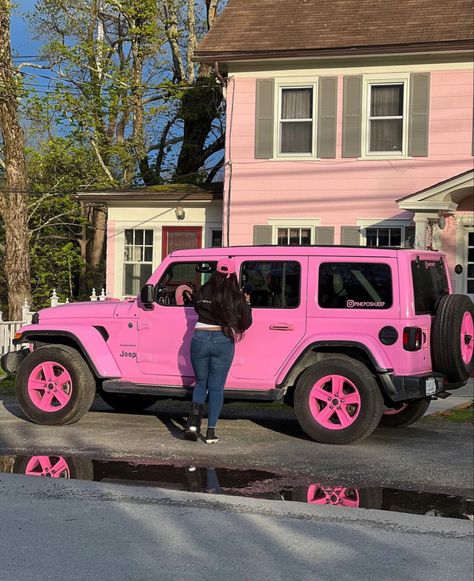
(430, 386)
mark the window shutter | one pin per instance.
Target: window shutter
(419, 114)
(352, 116)
(327, 117)
(350, 235)
(264, 118)
(324, 235)
(262, 235)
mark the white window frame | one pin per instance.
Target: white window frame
(310, 224)
(381, 223)
(301, 84)
(384, 79)
(126, 262)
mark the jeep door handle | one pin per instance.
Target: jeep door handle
(282, 327)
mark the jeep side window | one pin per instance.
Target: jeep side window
(272, 284)
(355, 285)
(180, 281)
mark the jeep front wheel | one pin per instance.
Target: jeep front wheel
(337, 401)
(55, 386)
(405, 415)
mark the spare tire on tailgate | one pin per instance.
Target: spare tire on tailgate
(452, 338)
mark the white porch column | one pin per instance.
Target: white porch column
(421, 230)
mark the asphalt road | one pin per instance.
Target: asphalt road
(56, 529)
(429, 456)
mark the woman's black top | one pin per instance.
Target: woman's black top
(202, 306)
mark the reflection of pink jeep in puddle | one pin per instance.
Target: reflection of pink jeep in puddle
(349, 336)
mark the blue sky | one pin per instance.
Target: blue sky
(22, 42)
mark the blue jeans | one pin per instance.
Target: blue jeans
(211, 355)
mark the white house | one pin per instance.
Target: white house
(145, 225)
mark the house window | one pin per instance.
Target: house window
(296, 120)
(386, 118)
(384, 236)
(293, 236)
(138, 259)
(394, 236)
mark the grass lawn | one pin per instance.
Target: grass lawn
(462, 414)
(7, 384)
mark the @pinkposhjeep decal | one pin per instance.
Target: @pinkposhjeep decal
(350, 304)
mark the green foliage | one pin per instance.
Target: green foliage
(58, 169)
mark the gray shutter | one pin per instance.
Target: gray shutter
(327, 117)
(419, 114)
(352, 116)
(350, 235)
(262, 235)
(265, 97)
(324, 235)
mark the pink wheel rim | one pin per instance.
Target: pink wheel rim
(50, 386)
(48, 466)
(334, 402)
(334, 495)
(394, 411)
(467, 338)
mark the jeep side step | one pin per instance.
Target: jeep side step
(127, 387)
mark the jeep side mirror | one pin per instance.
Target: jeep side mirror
(147, 296)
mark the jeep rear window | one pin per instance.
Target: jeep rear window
(181, 280)
(430, 283)
(355, 285)
(274, 285)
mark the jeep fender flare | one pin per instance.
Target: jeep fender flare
(85, 338)
(374, 356)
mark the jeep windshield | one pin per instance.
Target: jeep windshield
(430, 283)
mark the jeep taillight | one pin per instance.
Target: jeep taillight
(412, 338)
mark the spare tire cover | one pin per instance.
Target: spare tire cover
(452, 338)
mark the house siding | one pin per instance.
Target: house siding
(341, 191)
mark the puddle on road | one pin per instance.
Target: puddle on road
(244, 483)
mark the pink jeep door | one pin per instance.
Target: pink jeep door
(164, 333)
(278, 299)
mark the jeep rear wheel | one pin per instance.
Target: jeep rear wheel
(452, 338)
(405, 415)
(128, 403)
(338, 401)
(55, 386)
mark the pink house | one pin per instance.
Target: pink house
(349, 122)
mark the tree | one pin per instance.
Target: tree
(13, 191)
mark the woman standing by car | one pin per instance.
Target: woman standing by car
(224, 314)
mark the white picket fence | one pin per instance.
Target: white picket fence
(8, 329)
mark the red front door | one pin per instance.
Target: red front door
(181, 238)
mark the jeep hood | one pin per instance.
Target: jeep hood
(84, 310)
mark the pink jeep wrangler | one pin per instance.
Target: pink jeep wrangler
(350, 336)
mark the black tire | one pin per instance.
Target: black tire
(446, 340)
(128, 403)
(409, 413)
(369, 411)
(83, 385)
(77, 468)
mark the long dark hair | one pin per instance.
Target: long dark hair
(228, 304)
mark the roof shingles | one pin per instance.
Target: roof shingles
(259, 26)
